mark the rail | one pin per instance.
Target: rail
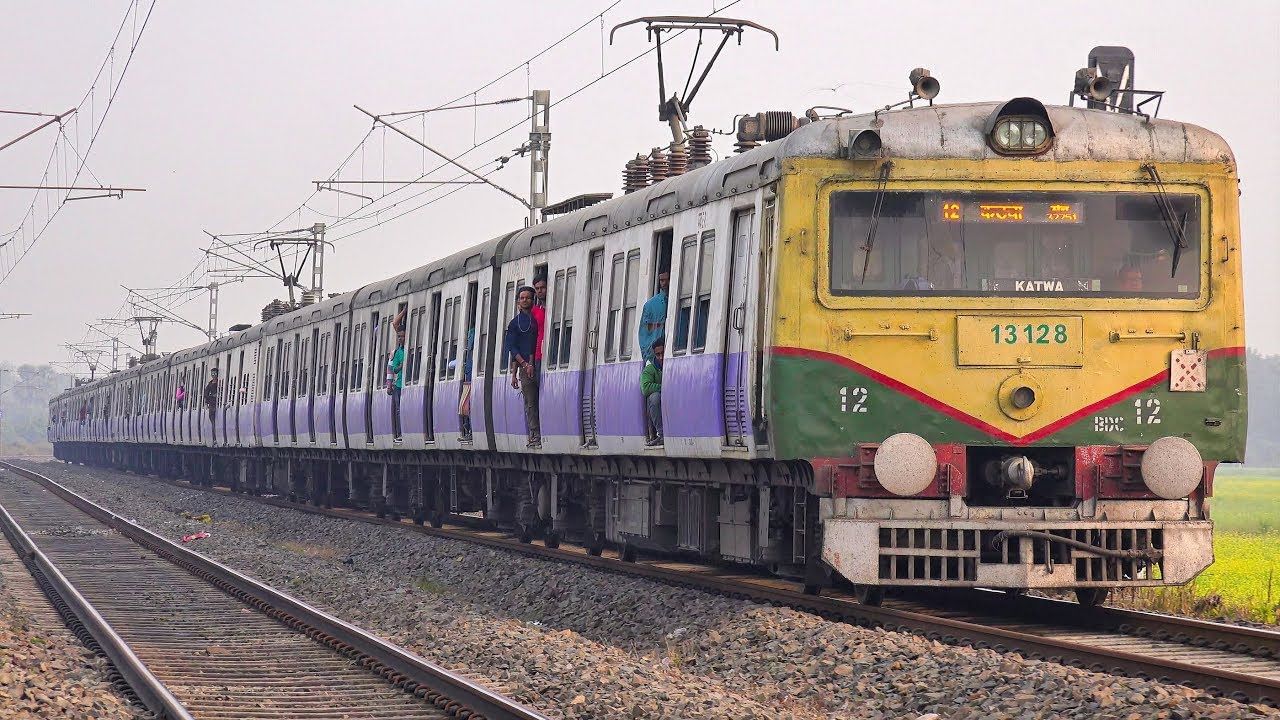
(414, 674)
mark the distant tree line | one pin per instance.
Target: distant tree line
(26, 391)
(24, 406)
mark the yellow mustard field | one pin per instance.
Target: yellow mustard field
(1244, 581)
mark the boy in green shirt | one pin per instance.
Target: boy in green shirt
(651, 387)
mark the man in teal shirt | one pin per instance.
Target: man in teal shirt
(397, 385)
(653, 318)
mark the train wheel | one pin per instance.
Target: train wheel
(628, 554)
(1092, 597)
(871, 595)
(526, 534)
(551, 540)
(597, 545)
(437, 518)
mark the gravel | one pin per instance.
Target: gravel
(580, 643)
(45, 672)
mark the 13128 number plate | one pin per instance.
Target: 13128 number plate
(1019, 341)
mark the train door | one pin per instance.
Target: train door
(198, 402)
(737, 416)
(333, 383)
(429, 382)
(277, 387)
(587, 403)
(298, 377)
(369, 382)
(309, 386)
(764, 271)
(242, 392)
(226, 400)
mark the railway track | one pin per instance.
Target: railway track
(195, 639)
(1226, 660)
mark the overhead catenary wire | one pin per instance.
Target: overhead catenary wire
(376, 215)
(28, 238)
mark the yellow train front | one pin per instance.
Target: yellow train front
(1008, 338)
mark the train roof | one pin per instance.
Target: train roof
(957, 132)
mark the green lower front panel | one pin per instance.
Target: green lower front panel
(824, 406)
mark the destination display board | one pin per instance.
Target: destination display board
(1014, 212)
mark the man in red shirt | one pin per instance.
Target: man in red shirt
(539, 311)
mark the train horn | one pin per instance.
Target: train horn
(924, 84)
(1093, 85)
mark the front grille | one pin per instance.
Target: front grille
(910, 555)
(928, 554)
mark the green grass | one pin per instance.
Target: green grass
(1244, 580)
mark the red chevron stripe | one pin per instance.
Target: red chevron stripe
(966, 418)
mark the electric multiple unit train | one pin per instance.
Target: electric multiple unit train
(991, 344)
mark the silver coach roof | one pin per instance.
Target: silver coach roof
(956, 131)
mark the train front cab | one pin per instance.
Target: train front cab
(988, 391)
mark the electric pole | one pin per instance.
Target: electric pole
(539, 149)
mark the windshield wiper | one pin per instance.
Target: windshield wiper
(1176, 228)
(876, 206)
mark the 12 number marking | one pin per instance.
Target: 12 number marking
(1148, 412)
(853, 399)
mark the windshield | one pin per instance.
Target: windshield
(1013, 244)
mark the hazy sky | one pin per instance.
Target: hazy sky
(231, 109)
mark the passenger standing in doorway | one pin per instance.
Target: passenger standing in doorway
(651, 387)
(211, 402)
(464, 399)
(653, 319)
(397, 381)
(539, 311)
(519, 345)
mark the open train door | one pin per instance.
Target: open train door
(587, 403)
(737, 416)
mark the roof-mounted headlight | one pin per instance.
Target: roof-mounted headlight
(1019, 135)
(1019, 127)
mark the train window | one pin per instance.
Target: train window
(552, 353)
(615, 307)
(410, 343)
(483, 347)
(344, 343)
(445, 329)
(354, 382)
(304, 365)
(702, 310)
(627, 334)
(508, 311)
(416, 354)
(266, 373)
(566, 337)
(1015, 244)
(284, 392)
(684, 302)
(454, 332)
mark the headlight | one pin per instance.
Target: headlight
(905, 464)
(1020, 135)
(1172, 467)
